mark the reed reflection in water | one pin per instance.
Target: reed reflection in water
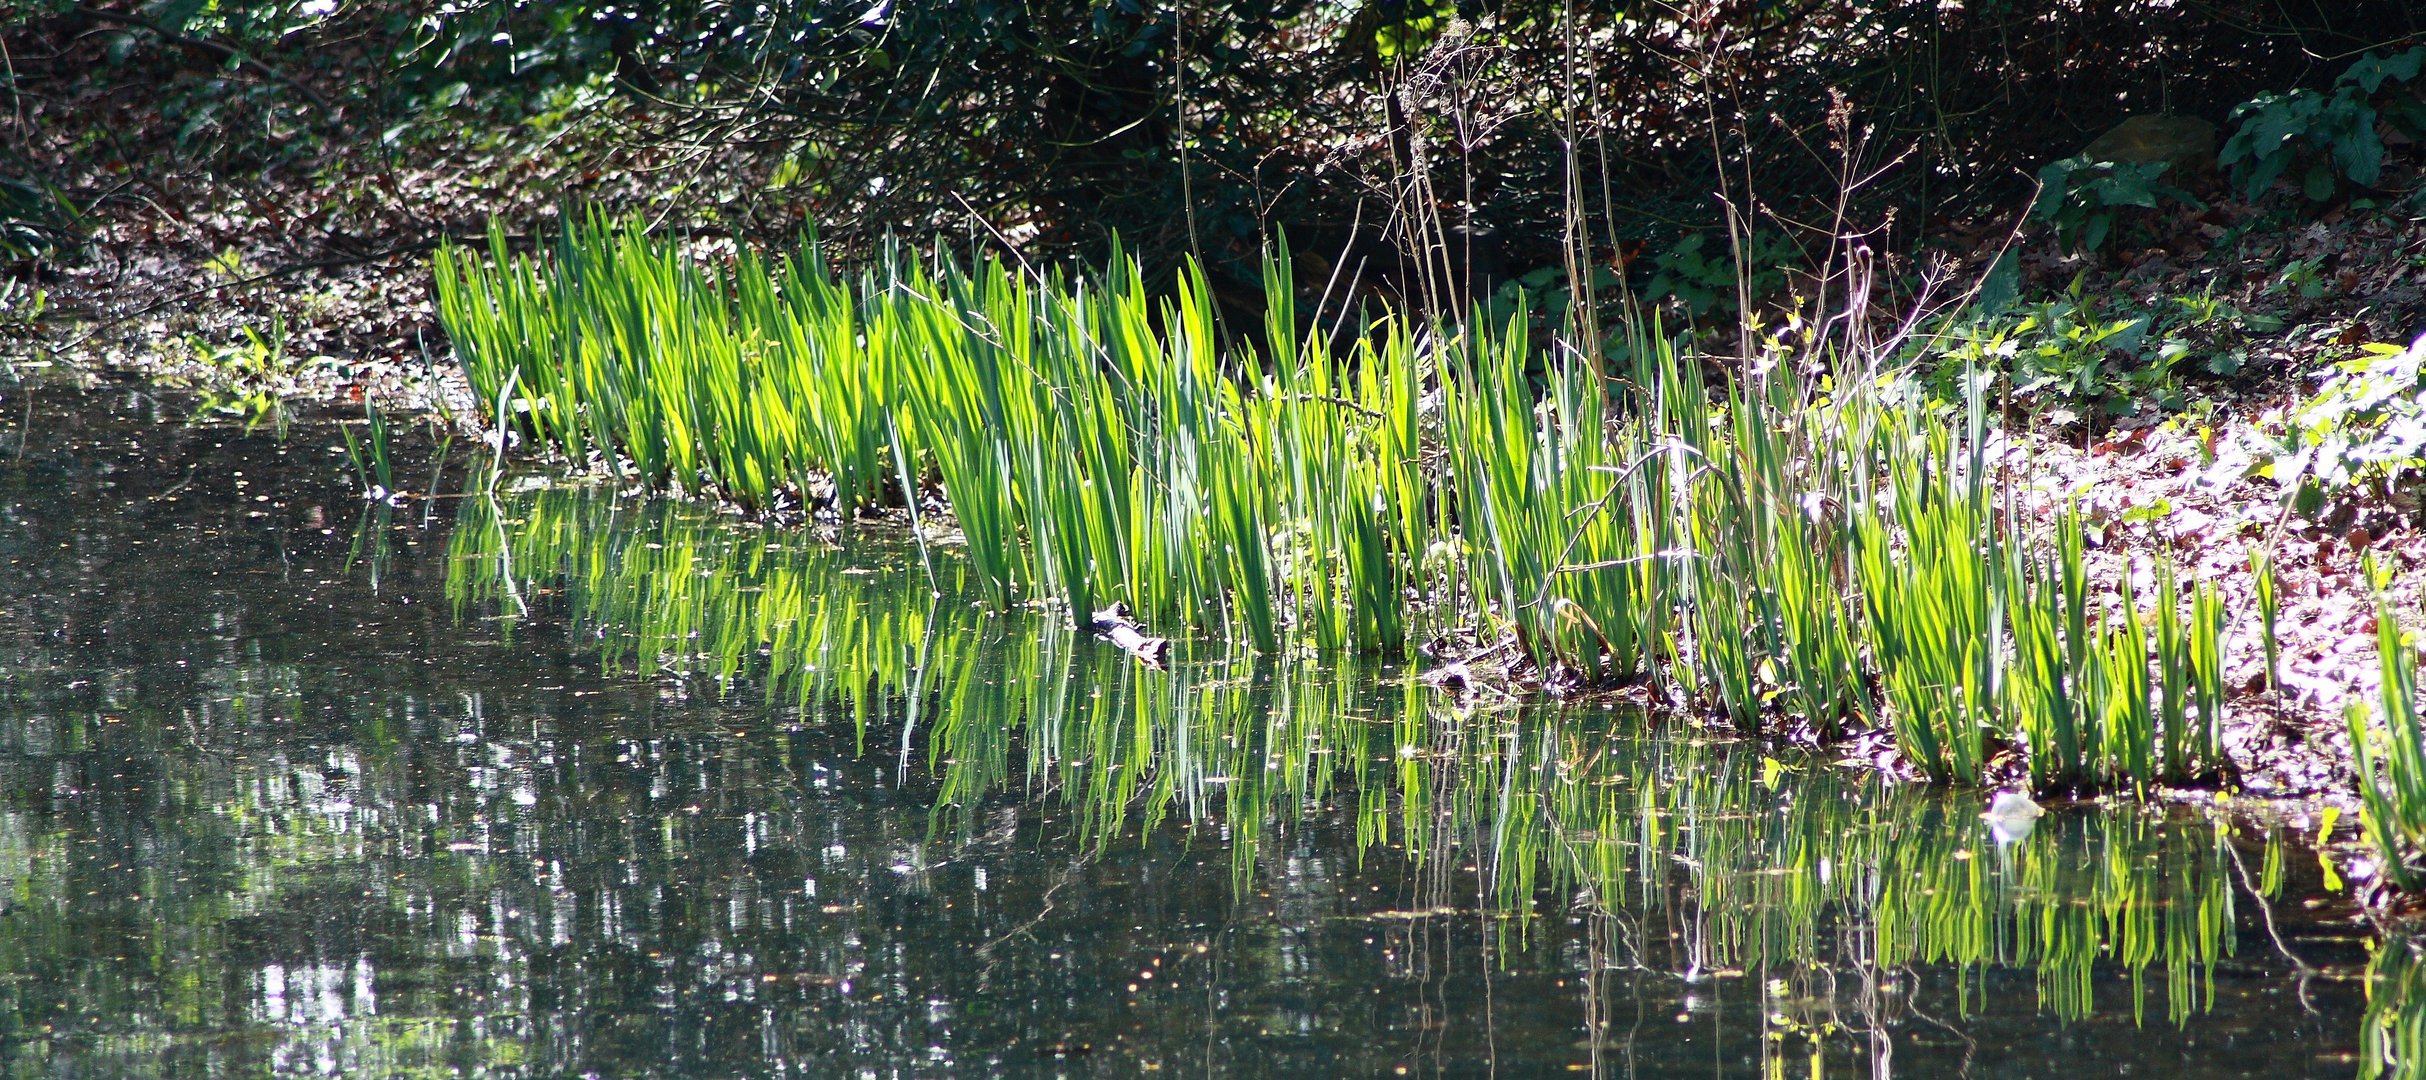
(1702, 860)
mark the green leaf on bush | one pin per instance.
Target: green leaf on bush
(2319, 184)
(2372, 71)
(2333, 137)
(2367, 422)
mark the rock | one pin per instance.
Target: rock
(2185, 142)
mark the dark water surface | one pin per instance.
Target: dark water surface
(560, 784)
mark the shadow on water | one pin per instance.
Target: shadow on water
(559, 784)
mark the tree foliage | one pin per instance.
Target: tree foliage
(1528, 128)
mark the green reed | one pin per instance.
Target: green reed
(2270, 610)
(371, 456)
(2059, 696)
(2198, 752)
(1772, 548)
(2190, 691)
(1088, 434)
(1934, 600)
(2392, 767)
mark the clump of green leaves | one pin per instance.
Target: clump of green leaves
(2366, 423)
(21, 306)
(2083, 199)
(37, 220)
(261, 357)
(1700, 280)
(2079, 686)
(2087, 361)
(2326, 138)
(1543, 293)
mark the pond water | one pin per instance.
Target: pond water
(549, 782)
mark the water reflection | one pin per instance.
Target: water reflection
(1748, 867)
(2393, 1039)
(561, 784)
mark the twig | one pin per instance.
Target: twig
(2307, 970)
(1370, 414)
(1617, 480)
(1116, 626)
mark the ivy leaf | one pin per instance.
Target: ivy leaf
(2131, 186)
(2374, 71)
(2359, 153)
(2263, 173)
(2318, 184)
(2004, 283)
(2055, 178)
(2284, 119)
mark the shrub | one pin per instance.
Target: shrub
(2086, 361)
(2328, 138)
(2366, 423)
(2083, 198)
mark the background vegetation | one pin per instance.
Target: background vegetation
(1492, 138)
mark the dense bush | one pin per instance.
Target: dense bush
(2330, 138)
(1503, 135)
